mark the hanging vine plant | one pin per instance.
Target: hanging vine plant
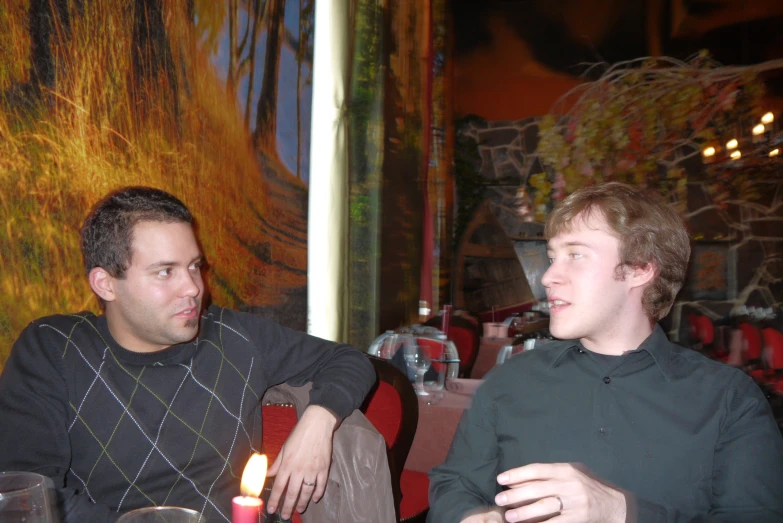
(639, 122)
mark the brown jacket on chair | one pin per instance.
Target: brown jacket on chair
(359, 486)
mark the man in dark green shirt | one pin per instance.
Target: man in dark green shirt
(619, 424)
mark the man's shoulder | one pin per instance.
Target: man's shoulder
(687, 363)
(68, 324)
(216, 319)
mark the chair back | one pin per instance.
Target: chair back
(705, 329)
(466, 337)
(393, 408)
(773, 346)
(752, 342)
(345, 499)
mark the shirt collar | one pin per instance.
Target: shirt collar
(657, 345)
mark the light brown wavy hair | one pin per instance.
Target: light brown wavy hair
(649, 231)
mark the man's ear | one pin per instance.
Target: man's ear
(102, 284)
(642, 275)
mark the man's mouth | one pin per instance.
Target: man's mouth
(188, 313)
(557, 304)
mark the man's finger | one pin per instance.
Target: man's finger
(291, 495)
(277, 490)
(530, 491)
(546, 509)
(304, 496)
(536, 472)
(272, 471)
(320, 487)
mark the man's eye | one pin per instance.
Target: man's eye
(163, 273)
(551, 260)
(576, 255)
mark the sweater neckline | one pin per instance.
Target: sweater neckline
(175, 354)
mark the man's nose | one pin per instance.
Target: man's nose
(551, 276)
(190, 285)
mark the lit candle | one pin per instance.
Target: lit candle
(732, 144)
(247, 507)
(774, 152)
(768, 118)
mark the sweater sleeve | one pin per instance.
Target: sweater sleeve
(33, 423)
(341, 375)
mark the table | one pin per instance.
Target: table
(437, 425)
(488, 355)
(490, 347)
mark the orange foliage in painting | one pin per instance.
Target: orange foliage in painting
(99, 127)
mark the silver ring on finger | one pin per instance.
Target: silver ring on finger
(561, 503)
(306, 484)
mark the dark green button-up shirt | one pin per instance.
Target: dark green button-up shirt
(690, 438)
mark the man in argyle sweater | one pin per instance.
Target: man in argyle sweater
(156, 402)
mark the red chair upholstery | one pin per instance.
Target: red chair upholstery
(466, 337)
(705, 330)
(279, 421)
(752, 342)
(773, 340)
(393, 408)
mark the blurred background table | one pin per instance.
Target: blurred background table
(437, 425)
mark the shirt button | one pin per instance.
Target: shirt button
(602, 430)
(607, 380)
(581, 351)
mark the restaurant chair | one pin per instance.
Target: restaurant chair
(358, 488)
(752, 344)
(466, 335)
(773, 347)
(393, 407)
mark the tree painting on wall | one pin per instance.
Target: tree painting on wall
(208, 99)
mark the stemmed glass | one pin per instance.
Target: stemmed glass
(25, 497)
(160, 515)
(417, 359)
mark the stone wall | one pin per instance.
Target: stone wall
(737, 251)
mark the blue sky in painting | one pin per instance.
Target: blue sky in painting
(288, 147)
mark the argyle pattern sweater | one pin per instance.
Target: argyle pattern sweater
(118, 430)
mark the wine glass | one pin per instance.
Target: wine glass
(25, 497)
(160, 515)
(417, 359)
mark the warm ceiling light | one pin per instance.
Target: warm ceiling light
(759, 129)
(736, 155)
(768, 118)
(709, 151)
(732, 144)
(774, 152)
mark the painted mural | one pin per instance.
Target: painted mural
(207, 99)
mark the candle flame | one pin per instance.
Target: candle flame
(254, 475)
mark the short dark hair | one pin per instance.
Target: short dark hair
(649, 230)
(107, 232)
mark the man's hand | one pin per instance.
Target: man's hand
(303, 462)
(493, 516)
(559, 492)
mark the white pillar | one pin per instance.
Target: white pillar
(327, 224)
